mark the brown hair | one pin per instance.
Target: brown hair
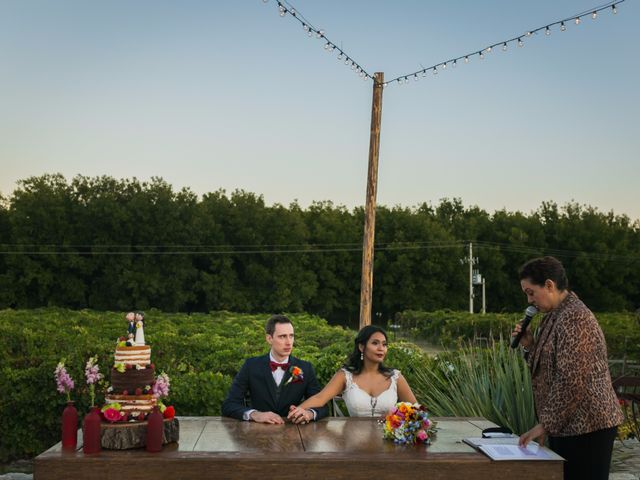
(270, 327)
(541, 269)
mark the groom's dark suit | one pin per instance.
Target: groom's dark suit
(256, 377)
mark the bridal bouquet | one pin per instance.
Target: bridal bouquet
(408, 424)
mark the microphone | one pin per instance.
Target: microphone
(528, 315)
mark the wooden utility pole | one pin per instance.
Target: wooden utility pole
(366, 283)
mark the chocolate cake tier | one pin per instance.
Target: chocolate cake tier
(131, 379)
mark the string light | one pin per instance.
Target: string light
(330, 46)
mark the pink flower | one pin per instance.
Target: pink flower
(64, 382)
(112, 415)
(92, 371)
(421, 436)
(161, 387)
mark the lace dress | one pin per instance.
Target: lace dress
(361, 404)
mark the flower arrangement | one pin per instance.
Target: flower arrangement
(297, 375)
(408, 424)
(64, 381)
(93, 375)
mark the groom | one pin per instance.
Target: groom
(274, 381)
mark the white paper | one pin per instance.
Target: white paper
(514, 452)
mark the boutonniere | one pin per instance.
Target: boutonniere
(297, 375)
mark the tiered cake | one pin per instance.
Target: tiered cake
(133, 374)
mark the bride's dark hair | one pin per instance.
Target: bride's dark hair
(354, 363)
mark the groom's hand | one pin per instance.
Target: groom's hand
(266, 417)
(299, 415)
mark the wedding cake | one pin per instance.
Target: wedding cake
(133, 374)
(134, 392)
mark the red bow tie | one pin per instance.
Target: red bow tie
(276, 365)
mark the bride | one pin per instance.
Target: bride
(368, 388)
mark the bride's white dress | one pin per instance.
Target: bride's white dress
(361, 404)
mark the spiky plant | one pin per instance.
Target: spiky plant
(492, 382)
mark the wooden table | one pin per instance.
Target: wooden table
(333, 448)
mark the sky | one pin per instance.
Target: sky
(229, 95)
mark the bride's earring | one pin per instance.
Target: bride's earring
(361, 355)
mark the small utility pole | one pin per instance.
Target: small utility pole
(484, 298)
(366, 282)
(470, 277)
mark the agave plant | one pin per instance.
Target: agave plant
(492, 382)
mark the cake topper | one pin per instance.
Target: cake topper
(139, 339)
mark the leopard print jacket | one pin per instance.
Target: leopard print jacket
(570, 376)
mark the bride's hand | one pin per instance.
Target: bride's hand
(299, 415)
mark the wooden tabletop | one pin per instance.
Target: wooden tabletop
(215, 447)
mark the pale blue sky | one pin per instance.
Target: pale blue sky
(226, 94)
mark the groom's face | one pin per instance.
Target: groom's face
(281, 341)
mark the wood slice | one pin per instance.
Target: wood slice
(123, 436)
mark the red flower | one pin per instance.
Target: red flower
(111, 415)
(169, 412)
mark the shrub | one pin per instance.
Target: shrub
(493, 383)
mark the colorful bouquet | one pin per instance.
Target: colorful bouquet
(408, 424)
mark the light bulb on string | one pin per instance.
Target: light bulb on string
(481, 55)
(340, 56)
(547, 31)
(444, 66)
(424, 73)
(466, 59)
(320, 33)
(346, 62)
(577, 20)
(282, 12)
(455, 62)
(529, 33)
(504, 47)
(327, 46)
(435, 71)
(292, 12)
(385, 84)
(415, 77)
(305, 27)
(614, 10)
(489, 49)
(520, 42)
(310, 32)
(594, 15)
(563, 27)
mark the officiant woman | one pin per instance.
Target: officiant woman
(575, 403)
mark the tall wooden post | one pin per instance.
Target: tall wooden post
(366, 283)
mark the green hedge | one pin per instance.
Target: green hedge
(201, 353)
(449, 328)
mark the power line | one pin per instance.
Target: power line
(313, 248)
